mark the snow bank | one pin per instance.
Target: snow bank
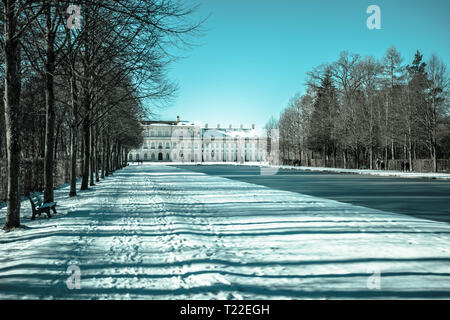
(371, 172)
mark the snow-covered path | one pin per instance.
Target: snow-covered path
(158, 232)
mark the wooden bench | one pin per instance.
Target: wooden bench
(39, 207)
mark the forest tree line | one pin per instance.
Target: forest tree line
(360, 109)
(75, 81)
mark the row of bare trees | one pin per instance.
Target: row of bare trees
(362, 109)
(75, 86)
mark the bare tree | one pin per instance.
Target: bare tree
(438, 89)
(382, 108)
(111, 66)
(14, 24)
(393, 77)
(371, 71)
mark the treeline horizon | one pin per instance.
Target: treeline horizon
(76, 75)
(359, 109)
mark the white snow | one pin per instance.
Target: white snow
(386, 173)
(233, 133)
(158, 232)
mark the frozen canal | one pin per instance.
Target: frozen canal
(158, 232)
(418, 197)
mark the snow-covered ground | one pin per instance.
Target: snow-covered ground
(158, 232)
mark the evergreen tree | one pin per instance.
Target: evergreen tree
(416, 102)
(321, 133)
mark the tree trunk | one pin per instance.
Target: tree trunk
(434, 157)
(49, 108)
(334, 158)
(410, 150)
(386, 151)
(117, 156)
(387, 129)
(74, 138)
(433, 144)
(55, 146)
(92, 157)
(371, 156)
(86, 156)
(103, 157)
(113, 157)
(405, 148)
(392, 150)
(97, 177)
(13, 114)
(86, 111)
(107, 156)
(344, 154)
(324, 156)
(107, 161)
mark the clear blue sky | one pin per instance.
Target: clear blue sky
(255, 53)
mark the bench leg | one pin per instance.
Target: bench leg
(47, 211)
(54, 209)
(33, 216)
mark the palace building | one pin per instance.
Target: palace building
(183, 141)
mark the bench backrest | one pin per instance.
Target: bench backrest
(36, 198)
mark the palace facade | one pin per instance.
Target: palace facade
(183, 141)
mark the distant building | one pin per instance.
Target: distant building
(183, 141)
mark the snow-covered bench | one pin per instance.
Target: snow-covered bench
(38, 206)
